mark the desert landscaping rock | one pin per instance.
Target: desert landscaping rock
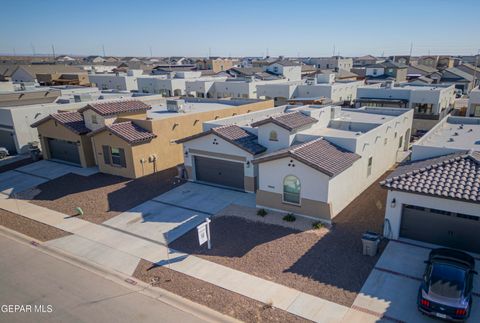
(324, 263)
(219, 299)
(31, 228)
(102, 196)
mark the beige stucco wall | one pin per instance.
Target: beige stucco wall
(107, 138)
(307, 207)
(168, 153)
(52, 129)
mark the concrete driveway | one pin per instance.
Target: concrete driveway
(172, 214)
(392, 287)
(25, 177)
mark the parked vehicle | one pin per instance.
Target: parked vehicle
(446, 290)
(3, 152)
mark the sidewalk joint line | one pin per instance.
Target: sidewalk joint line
(182, 207)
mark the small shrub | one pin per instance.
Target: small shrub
(262, 212)
(289, 217)
(318, 225)
(268, 305)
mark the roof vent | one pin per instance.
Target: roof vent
(451, 140)
(461, 126)
(455, 133)
(470, 130)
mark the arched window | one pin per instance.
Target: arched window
(273, 135)
(291, 189)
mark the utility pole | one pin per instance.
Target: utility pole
(14, 52)
(411, 48)
(151, 52)
(53, 52)
(103, 50)
(33, 49)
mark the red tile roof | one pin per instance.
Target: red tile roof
(128, 131)
(318, 154)
(114, 107)
(235, 135)
(454, 176)
(290, 121)
(71, 120)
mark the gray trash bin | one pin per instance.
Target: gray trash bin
(370, 241)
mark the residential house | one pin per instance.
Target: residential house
(438, 62)
(50, 74)
(430, 103)
(132, 137)
(386, 71)
(474, 103)
(463, 81)
(118, 81)
(435, 198)
(173, 84)
(310, 160)
(335, 62)
(216, 64)
(290, 71)
(365, 61)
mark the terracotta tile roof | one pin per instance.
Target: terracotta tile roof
(128, 131)
(290, 121)
(454, 176)
(233, 134)
(71, 120)
(318, 154)
(114, 107)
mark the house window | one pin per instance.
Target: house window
(273, 135)
(400, 142)
(291, 189)
(116, 158)
(369, 166)
(94, 119)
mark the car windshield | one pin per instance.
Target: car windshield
(447, 280)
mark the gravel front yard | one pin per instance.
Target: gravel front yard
(102, 196)
(325, 263)
(29, 227)
(217, 298)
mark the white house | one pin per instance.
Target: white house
(308, 160)
(430, 103)
(436, 197)
(335, 62)
(291, 71)
(118, 81)
(474, 103)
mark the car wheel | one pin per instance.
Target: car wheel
(2, 155)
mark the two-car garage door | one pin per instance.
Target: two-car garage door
(64, 150)
(454, 230)
(219, 172)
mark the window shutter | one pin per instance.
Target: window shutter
(122, 157)
(106, 155)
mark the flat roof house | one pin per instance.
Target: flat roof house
(435, 198)
(308, 160)
(430, 103)
(118, 81)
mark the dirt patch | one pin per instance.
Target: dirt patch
(29, 227)
(217, 298)
(16, 164)
(102, 196)
(329, 265)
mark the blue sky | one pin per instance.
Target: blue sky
(240, 28)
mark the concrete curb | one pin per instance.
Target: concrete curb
(203, 312)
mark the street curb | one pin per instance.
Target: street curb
(203, 312)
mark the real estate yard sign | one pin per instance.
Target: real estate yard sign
(203, 231)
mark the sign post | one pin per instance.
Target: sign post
(203, 231)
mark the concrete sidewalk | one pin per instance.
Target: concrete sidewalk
(121, 252)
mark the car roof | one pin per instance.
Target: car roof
(452, 256)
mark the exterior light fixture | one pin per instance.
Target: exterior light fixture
(393, 203)
(248, 164)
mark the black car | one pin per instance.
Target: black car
(446, 290)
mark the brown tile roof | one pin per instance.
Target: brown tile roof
(318, 154)
(235, 135)
(128, 131)
(454, 176)
(290, 121)
(71, 120)
(114, 107)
